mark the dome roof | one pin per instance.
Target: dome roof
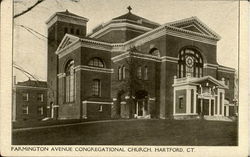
(132, 17)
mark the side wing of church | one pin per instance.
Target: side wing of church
(131, 67)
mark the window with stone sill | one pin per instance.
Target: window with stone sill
(181, 102)
(25, 109)
(40, 97)
(96, 88)
(40, 110)
(25, 96)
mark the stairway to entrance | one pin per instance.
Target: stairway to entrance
(218, 118)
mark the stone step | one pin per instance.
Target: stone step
(218, 118)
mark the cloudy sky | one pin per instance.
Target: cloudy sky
(30, 50)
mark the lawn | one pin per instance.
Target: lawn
(134, 132)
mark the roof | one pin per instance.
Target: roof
(68, 13)
(33, 83)
(133, 17)
(129, 18)
(210, 78)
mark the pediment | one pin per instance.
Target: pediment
(208, 81)
(195, 25)
(67, 40)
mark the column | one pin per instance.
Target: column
(188, 102)
(148, 107)
(137, 108)
(209, 112)
(143, 109)
(84, 109)
(201, 105)
(218, 102)
(195, 100)
(174, 102)
(223, 97)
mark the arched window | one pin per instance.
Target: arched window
(96, 62)
(119, 73)
(72, 30)
(146, 73)
(123, 72)
(139, 72)
(155, 52)
(70, 82)
(65, 30)
(96, 87)
(190, 63)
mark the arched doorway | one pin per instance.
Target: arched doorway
(142, 108)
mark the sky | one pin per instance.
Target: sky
(30, 50)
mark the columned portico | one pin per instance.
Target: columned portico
(198, 96)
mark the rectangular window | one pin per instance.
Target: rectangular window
(146, 73)
(77, 32)
(40, 110)
(65, 30)
(67, 83)
(181, 102)
(72, 88)
(72, 30)
(25, 109)
(40, 97)
(96, 88)
(25, 96)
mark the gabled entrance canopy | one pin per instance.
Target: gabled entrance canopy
(199, 81)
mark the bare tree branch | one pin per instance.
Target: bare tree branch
(28, 9)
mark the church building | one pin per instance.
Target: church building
(132, 67)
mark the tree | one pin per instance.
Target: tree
(130, 84)
(28, 9)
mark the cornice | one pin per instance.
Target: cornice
(114, 26)
(97, 102)
(66, 18)
(94, 69)
(21, 86)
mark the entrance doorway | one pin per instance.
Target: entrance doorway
(142, 105)
(205, 107)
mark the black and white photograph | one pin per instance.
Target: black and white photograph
(125, 76)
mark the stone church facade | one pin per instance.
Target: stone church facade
(131, 67)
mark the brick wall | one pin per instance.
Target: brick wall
(33, 104)
(178, 109)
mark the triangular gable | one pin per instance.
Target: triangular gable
(67, 40)
(210, 79)
(193, 24)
